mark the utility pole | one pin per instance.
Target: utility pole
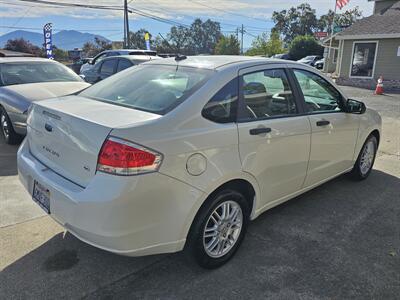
(329, 61)
(126, 26)
(241, 40)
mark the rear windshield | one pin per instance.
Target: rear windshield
(153, 88)
(32, 72)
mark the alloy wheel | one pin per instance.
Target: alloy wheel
(4, 126)
(222, 229)
(367, 157)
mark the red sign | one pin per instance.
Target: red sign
(320, 34)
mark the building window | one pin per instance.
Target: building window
(363, 60)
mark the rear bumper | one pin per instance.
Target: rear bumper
(132, 215)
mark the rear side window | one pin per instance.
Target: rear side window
(153, 88)
(123, 64)
(222, 107)
(32, 72)
(267, 94)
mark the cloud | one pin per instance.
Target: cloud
(171, 9)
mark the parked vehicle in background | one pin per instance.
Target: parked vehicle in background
(282, 56)
(111, 65)
(183, 153)
(77, 64)
(24, 80)
(92, 61)
(319, 64)
(166, 55)
(310, 60)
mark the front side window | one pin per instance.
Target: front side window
(153, 88)
(222, 107)
(267, 94)
(362, 64)
(33, 72)
(319, 94)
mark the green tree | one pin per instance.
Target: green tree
(60, 54)
(268, 46)
(161, 45)
(136, 39)
(227, 45)
(346, 18)
(93, 48)
(200, 38)
(300, 20)
(302, 46)
(21, 45)
(204, 36)
(179, 39)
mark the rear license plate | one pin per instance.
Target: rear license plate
(41, 195)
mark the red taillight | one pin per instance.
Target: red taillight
(121, 157)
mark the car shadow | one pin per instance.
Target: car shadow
(8, 158)
(340, 240)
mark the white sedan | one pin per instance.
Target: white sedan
(184, 152)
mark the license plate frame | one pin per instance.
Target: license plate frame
(41, 195)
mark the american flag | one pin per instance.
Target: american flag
(341, 3)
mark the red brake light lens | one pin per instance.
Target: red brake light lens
(122, 157)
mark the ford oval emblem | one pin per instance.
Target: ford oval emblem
(48, 127)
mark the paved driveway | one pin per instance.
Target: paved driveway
(341, 240)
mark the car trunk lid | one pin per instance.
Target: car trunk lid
(66, 134)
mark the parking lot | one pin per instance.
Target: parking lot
(341, 240)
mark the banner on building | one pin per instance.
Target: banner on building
(320, 34)
(147, 40)
(48, 43)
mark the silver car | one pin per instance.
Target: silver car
(182, 153)
(26, 79)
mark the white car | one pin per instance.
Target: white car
(183, 153)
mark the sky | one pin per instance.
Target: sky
(255, 15)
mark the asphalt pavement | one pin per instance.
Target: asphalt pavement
(338, 241)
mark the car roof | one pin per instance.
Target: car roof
(128, 50)
(214, 62)
(24, 59)
(134, 57)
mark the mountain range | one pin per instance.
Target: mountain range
(64, 39)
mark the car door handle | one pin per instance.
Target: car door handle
(260, 130)
(323, 123)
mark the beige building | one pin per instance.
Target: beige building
(371, 48)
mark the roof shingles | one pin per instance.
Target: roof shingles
(386, 23)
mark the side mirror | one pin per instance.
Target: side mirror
(355, 107)
(82, 76)
(91, 61)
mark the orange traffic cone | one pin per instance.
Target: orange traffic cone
(379, 86)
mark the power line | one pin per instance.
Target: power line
(92, 6)
(20, 18)
(157, 18)
(226, 11)
(55, 29)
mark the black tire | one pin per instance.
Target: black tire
(6, 128)
(195, 246)
(357, 173)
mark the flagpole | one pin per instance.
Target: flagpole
(330, 42)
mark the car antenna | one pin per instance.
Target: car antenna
(178, 58)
